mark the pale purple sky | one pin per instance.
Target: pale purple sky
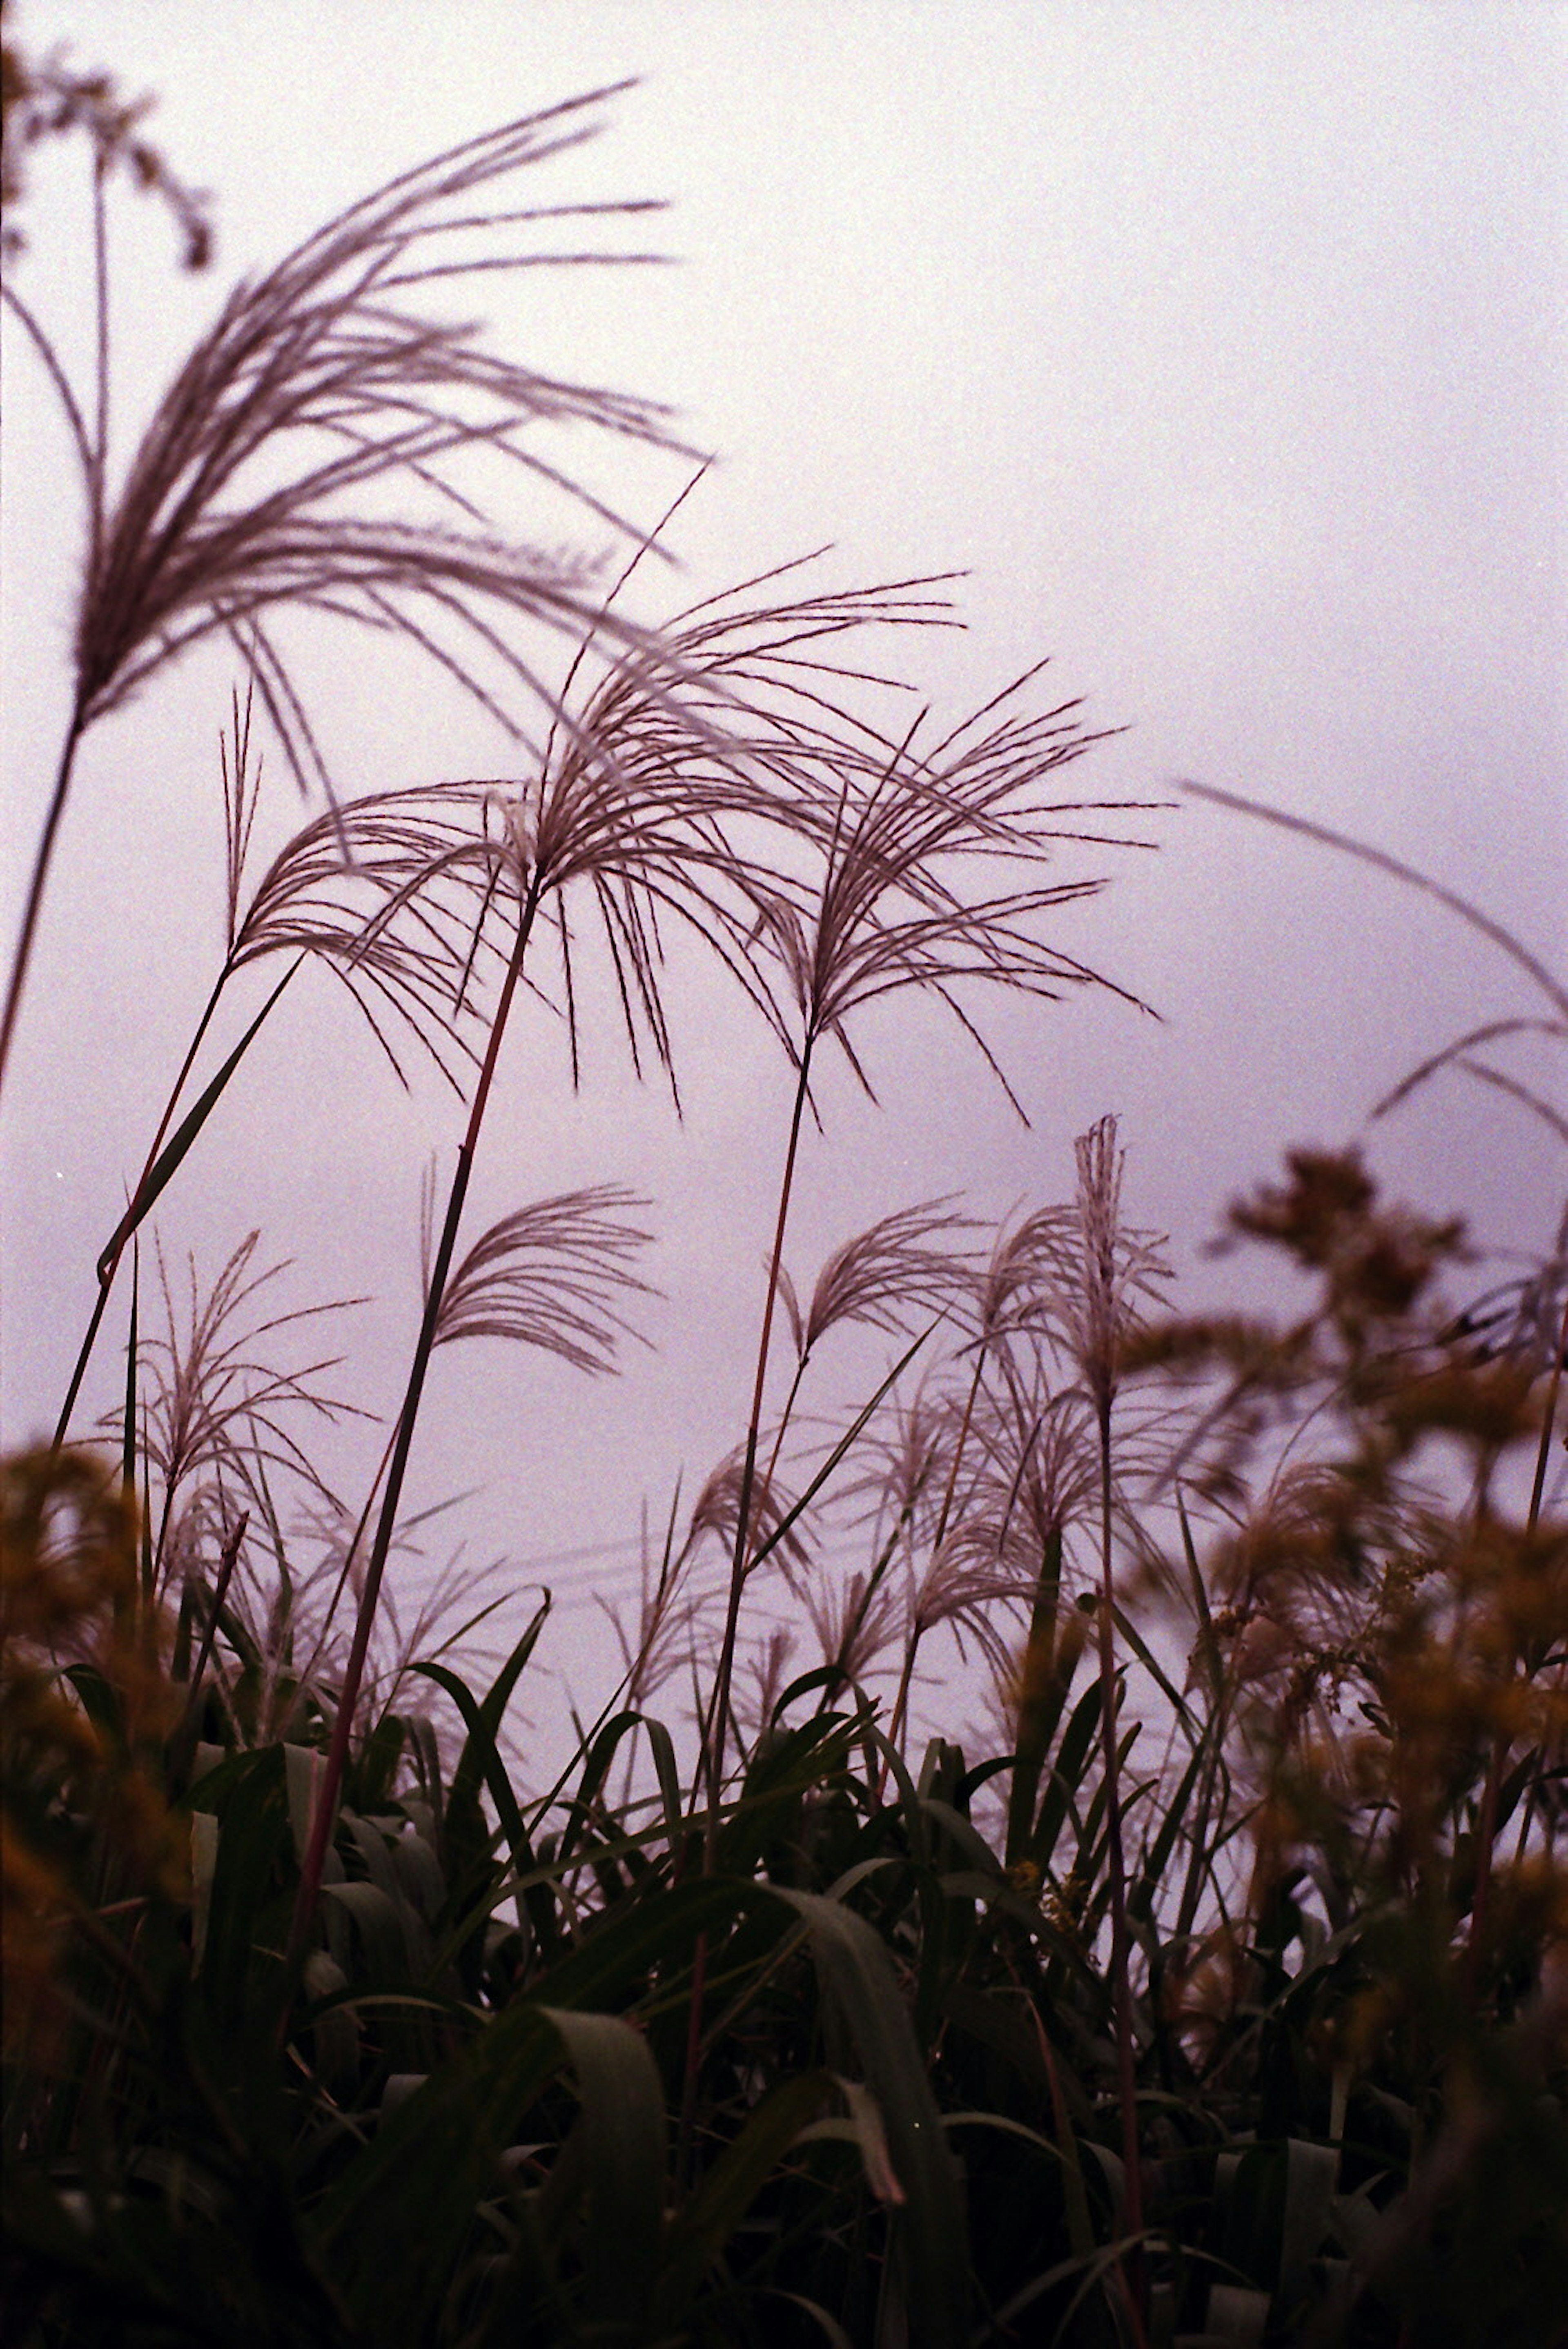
(1222, 346)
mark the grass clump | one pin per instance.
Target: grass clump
(1216, 1991)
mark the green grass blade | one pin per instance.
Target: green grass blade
(626, 2164)
(1040, 1705)
(845, 1444)
(391, 2229)
(175, 1150)
(482, 1763)
(857, 1978)
(726, 2193)
(1067, 1774)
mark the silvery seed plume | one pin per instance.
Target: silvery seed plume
(662, 1639)
(454, 1603)
(904, 1457)
(324, 369)
(774, 689)
(357, 888)
(1034, 1474)
(320, 384)
(916, 1450)
(886, 1278)
(669, 795)
(1093, 1272)
(856, 1624)
(764, 1677)
(1026, 1258)
(717, 1511)
(907, 849)
(545, 1275)
(964, 1587)
(219, 1406)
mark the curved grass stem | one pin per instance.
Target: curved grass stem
(326, 1809)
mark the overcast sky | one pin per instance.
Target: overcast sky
(1222, 347)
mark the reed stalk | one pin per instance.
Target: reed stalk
(324, 1815)
(741, 1556)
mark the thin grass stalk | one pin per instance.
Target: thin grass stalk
(901, 1699)
(1537, 1493)
(93, 457)
(1115, 1863)
(227, 1562)
(960, 1445)
(100, 302)
(1486, 1838)
(307, 1668)
(770, 1473)
(874, 1581)
(343, 1727)
(1220, 1689)
(109, 1263)
(742, 1558)
(686, 2127)
(42, 859)
(1534, 968)
(714, 1740)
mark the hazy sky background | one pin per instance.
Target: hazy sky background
(1223, 346)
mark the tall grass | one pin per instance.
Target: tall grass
(1213, 1989)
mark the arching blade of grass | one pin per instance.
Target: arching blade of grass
(394, 2229)
(662, 1747)
(1173, 1824)
(128, 1419)
(627, 2154)
(586, 1806)
(840, 1452)
(177, 1149)
(1154, 1669)
(394, 2225)
(1041, 1701)
(481, 1762)
(1067, 1775)
(154, 1182)
(930, 2234)
(720, 2202)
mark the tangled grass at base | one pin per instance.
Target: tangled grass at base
(542, 2073)
(1220, 1993)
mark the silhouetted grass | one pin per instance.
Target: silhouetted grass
(1221, 1999)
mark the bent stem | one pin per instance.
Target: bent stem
(342, 1728)
(94, 455)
